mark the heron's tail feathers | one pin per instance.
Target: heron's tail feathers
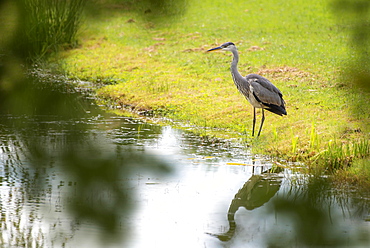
(279, 110)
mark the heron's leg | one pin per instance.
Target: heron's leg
(262, 120)
(254, 120)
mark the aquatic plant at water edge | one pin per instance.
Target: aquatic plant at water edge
(48, 24)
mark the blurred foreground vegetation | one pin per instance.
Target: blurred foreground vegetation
(43, 119)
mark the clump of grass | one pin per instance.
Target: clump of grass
(339, 155)
(358, 174)
(47, 25)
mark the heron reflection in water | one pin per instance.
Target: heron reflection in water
(257, 191)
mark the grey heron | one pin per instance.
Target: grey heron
(258, 90)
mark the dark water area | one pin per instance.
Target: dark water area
(108, 181)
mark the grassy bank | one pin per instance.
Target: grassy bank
(158, 65)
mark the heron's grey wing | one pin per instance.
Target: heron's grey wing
(265, 90)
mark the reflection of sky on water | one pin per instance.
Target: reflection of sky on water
(176, 210)
(179, 210)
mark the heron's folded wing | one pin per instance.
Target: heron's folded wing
(267, 93)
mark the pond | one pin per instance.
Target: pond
(109, 181)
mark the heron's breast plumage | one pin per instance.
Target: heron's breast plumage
(246, 90)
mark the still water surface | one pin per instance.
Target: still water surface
(217, 194)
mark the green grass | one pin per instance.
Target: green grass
(158, 63)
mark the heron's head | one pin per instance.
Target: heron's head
(228, 46)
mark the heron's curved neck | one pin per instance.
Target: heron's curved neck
(234, 68)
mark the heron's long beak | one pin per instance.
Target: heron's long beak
(213, 49)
